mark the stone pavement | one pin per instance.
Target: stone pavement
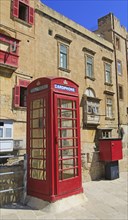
(106, 200)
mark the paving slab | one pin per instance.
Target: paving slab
(106, 200)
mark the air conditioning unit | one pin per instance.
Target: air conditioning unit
(14, 47)
(17, 144)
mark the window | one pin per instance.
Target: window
(1, 132)
(108, 73)
(23, 11)
(20, 92)
(63, 57)
(120, 92)
(106, 133)
(9, 50)
(92, 105)
(117, 43)
(23, 95)
(50, 32)
(6, 131)
(90, 108)
(4, 46)
(90, 93)
(8, 44)
(119, 67)
(109, 108)
(89, 66)
(63, 52)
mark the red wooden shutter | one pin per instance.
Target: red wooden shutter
(31, 15)
(16, 8)
(17, 96)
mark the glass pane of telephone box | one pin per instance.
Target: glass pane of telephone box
(38, 139)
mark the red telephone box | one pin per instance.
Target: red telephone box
(53, 139)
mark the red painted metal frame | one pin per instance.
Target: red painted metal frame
(40, 187)
(52, 189)
(110, 149)
(71, 184)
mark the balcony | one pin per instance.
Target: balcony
(8, 60)
(8, 145)
(93, 119)
(9, 52)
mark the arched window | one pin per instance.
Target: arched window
(90, 92)
(90, 108)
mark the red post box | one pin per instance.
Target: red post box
(110, 149)
(53, 139)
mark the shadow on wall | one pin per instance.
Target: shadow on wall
(92, 168)
(96, 170)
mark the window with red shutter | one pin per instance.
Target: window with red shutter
(23, 96)
(20, 93)
(23, 11)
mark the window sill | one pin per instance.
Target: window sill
(22, 21)
(120, 74)
(20, 108)
(108, 118)
(91, 78)
(88, 125)
(65, 70)
(108, 84)
(107, 92)
(93, 99)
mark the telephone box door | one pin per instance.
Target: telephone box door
(37, 133)
(67, 141)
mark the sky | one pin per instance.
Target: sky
(87, 12)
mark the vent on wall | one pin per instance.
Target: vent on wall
(50, 32)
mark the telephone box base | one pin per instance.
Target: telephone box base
(56, 206)
(54, 198)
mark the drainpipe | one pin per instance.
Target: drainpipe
(116, 71)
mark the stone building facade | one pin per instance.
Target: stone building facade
(36, 41)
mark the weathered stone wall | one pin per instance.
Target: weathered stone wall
(11, 181)
(111, 29)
